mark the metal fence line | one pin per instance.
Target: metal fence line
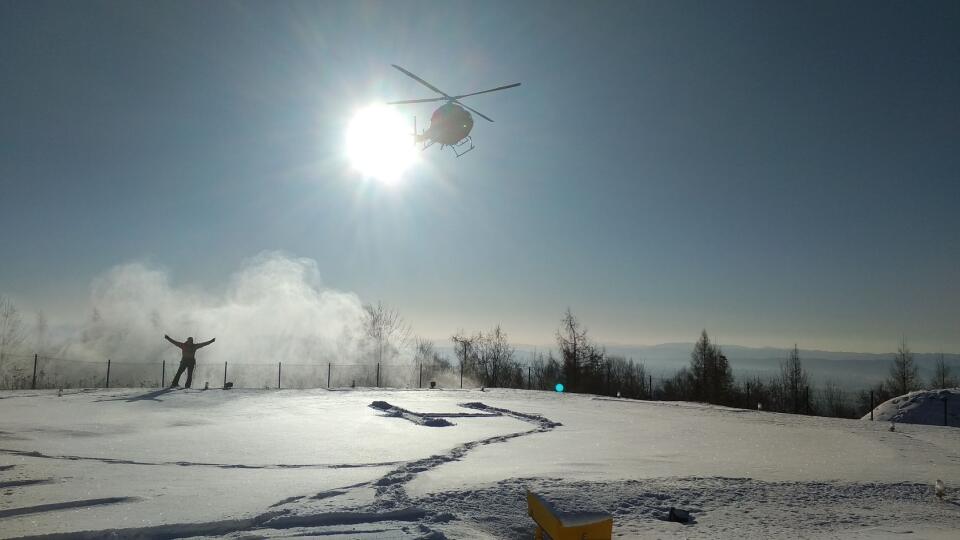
(334, 370)
(49, 372)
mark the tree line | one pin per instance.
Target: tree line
(580, 365)
(583, 366)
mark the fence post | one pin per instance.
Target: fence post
(163, 374)
(420, 383)
(529, 379)
(378, 374)
(108, 373)
(33, 385)
(328, 375)
(871, 405)
(650, 383)
(224, 375)
(945, 398)
(462, 362)
(279, 371)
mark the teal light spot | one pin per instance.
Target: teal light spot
(559, 387)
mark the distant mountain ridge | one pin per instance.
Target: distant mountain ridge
(849, 369)
(672, 351)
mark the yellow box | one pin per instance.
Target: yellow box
(567, 526)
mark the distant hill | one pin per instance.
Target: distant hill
(849, 369)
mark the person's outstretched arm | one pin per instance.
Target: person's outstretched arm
(205, 343)
(171, 340)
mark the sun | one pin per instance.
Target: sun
(380, 144)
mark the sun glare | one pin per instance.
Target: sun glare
(380, 143)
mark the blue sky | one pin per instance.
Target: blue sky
(774, 172)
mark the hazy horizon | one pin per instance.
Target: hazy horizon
(122, 288)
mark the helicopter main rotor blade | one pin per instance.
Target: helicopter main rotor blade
(486, 91)
(421, 81)
(426, 100)
(471, 109)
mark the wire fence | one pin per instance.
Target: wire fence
(45, 372)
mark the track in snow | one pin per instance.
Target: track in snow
(391, 502)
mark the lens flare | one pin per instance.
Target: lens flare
(380, 144)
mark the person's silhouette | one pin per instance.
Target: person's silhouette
(188, 359)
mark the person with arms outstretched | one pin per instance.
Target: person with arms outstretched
(188, 358)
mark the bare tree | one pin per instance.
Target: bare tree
(942, 376)
(758, 394)
(574, 349)
(699, 359)
(488, 358)
(431, 361)
(545, 371)
(712, 380)
(465, 350)
(424, 351)
(679, 387)
(626, 377)
(387, 329)
(495, 358)
(834, 401)
(904, 374)
(795, 384)
(12, 331)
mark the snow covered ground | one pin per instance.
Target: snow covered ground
(434, 464)
(930, 407)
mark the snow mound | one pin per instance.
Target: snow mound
(930, 407)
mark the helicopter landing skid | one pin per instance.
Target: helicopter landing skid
(457, 148)
(467, 140)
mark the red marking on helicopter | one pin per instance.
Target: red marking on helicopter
(450, 125)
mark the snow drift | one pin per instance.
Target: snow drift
(930, 407)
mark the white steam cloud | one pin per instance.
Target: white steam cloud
(274, 309)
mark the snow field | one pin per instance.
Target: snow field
(191, 463)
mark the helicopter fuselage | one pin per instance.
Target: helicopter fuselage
(449, 125)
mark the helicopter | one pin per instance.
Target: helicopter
(450, 124)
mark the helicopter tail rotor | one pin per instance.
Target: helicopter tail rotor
(421, 137)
